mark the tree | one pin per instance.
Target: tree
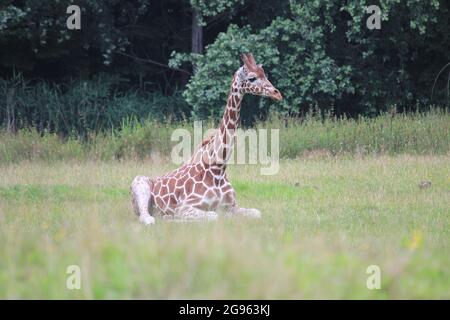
(35, 31)
(318, 53)
(321, 53)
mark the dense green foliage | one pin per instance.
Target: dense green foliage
(321, 53)
(316, 134)
(134, 59)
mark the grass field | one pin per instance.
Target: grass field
(426, 133)
(325, 220)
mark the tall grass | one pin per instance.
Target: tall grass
(415, 133)
(389, 133)
(82, 106)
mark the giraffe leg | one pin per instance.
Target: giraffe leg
(141, 198)
(246, 212)
(232, 209)
(188, 213)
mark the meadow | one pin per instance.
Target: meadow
(416, 133)
(325, 220)
(364, 147)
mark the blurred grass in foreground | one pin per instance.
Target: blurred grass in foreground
(324, 222)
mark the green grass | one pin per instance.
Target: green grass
(413, 133)
(325, 220)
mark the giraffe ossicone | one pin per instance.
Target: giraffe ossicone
(199, 188)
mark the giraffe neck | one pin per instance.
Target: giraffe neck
(217, 149)
(220, 149)
(231, 115)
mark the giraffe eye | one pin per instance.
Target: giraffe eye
(252, 79)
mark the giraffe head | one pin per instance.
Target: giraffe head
(252, 79)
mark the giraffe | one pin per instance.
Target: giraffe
(200, 188)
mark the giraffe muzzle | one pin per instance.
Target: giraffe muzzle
(276, 95)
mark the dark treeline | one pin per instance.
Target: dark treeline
(172, 60)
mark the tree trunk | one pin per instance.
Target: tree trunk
(196, 35)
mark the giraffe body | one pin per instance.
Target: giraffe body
(199, 188)
(189, 192)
